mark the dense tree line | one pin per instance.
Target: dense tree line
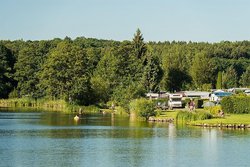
(89, 71)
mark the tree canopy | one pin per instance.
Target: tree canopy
(90, 71)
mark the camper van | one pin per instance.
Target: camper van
(175, 101)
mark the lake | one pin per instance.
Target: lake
(53, 139)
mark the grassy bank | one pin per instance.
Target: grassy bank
(198, 118)
(228, 119)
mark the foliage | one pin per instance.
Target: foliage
(152, 74)
(232, 119)
(120, 110)
(123, 95)
(219, 80)
(28, 65)
(227, 104)
(202, 70)
(229, 77)
(56, 105)
(89, 71)
(139, 45)
(206, 87)
(236, 104)
(175, 65)
(192, 116)
(245, 78)
(65, 74)
(13, 94)
(214, 109)
(142, 107)
(6, 71)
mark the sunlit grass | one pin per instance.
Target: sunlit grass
(168, 114)
(228, 119)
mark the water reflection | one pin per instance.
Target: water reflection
(55, 139)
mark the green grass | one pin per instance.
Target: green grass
(228, 119)
(168, 114)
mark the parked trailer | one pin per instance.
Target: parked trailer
(175, 101)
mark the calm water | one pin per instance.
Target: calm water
(53, 139)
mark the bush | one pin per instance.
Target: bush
(214, 109)
(236, 104)
(142, 107)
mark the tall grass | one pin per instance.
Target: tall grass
(192, 116)
(54, 105)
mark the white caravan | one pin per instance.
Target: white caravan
(175, 100)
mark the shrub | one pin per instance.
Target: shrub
(236, 104)
(142, 107)
(214, 109)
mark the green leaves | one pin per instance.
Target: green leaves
(142, 107)
(245, 78)
(139, 46)
(65, 73)
(91, 71)
(6, 71)
(229, 78)
(202, 70)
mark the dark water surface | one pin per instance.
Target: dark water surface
(30, 139)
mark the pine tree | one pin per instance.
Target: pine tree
(140, 47)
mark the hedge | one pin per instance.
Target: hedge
(236, 104)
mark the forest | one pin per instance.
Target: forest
(90, 71)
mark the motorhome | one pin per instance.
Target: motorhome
(175, 101)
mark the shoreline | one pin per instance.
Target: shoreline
(231, 126)
(48, 105)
